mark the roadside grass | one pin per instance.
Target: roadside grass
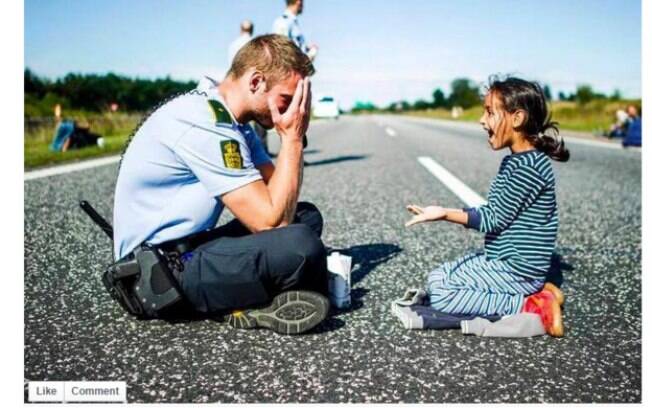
(114, 128)
(594, 117)
(40, 155)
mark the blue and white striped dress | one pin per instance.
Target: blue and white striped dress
(520, 221)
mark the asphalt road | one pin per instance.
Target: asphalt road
(361, 177)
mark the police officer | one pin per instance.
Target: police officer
(288, 25)
(195, 155)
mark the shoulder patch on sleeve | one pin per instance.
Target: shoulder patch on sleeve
(220, 112)
(231, 154)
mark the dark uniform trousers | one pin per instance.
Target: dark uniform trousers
(235, 269)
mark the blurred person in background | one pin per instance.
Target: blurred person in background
(246, 33)
(634, 128)
(288, 25)
(619, 128)
(632, 112)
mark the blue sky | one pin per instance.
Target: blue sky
(381, 51)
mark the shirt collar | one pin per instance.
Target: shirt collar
(290, 15)
(213, 93)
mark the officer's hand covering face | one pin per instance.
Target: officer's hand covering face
(281, 93)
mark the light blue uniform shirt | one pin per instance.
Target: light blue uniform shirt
(180, 161)
(288, 25)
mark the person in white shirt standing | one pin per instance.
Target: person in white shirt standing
(246, 33)
(288, 25)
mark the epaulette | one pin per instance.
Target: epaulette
(222, 116)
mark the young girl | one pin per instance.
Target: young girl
(520, 219)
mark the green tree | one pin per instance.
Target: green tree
(546, 92)
(405, 105)
(421, 105)
(584, 94)
(464, 93)
(360, 106)
(96, 92)
(34, 85)
(438, 99)
(616, 96)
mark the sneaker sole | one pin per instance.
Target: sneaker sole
(556, 329)
(552, 319)
(292, 312)
(556, 292)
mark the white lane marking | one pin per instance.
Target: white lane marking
(461, 190)
(69, 168)
(391, 132)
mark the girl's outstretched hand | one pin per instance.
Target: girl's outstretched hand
(425, 214)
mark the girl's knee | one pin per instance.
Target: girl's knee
(436, 286)
(440, 297)
(436, 275)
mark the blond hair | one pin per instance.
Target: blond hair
(276, 56)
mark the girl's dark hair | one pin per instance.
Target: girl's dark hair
(518, 94)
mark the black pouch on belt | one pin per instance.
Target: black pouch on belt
(142, 282)
(144, 285)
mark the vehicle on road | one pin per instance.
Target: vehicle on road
(326, 107)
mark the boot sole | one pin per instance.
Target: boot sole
(292, 312)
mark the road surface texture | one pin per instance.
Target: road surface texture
(361, 173)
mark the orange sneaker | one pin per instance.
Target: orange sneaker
(545, 305)
(556, 292)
